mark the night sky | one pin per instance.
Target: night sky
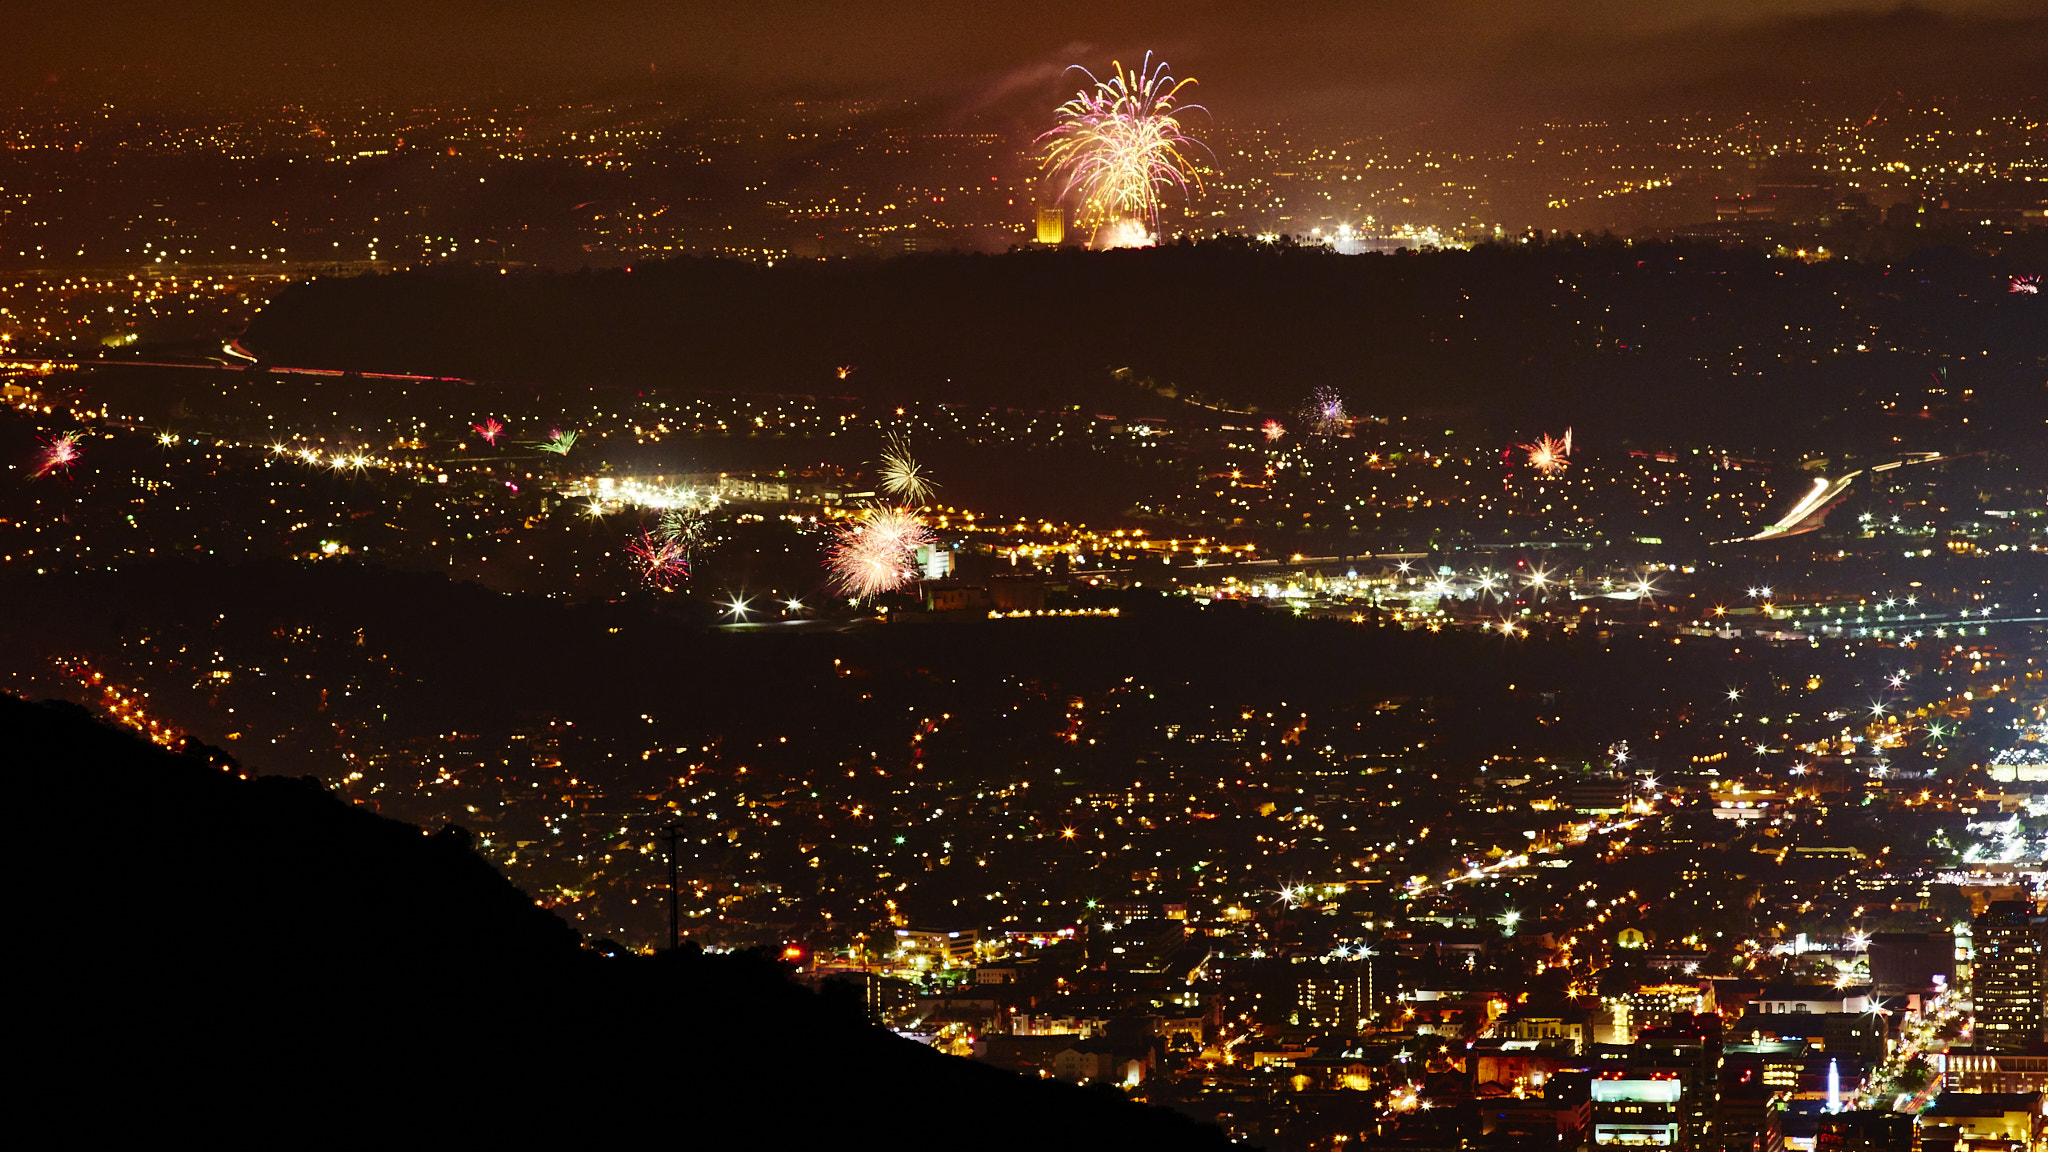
(1375, 63)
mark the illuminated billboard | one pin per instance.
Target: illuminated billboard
(1661, 1091)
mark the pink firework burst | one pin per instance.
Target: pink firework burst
(60, 452)
(1325, 412)
(490, 430)
(877, 553)
(663, 562)
(1274, 430)
(2031, 285)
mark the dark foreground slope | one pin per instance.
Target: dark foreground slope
(255, 960)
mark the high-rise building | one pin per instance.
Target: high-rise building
(1052, 225)
(2009, 987)
(1334, 996)
(1911, 963)
(1688, 1054)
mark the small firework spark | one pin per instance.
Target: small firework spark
(663, 563)
(1274, 430)
(1325, 412)
(60, 452)
(844, 371)
(902, 476)
(558, 442)
(490, 430)
(877, 553)
(2031, 285)
(1547, 454)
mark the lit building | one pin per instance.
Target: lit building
(1337, 996)
(1865, 1131)
(1801, 999)
(1654, 1005)
(1637, 1110)
(1052, 225)
(1984, 1122)
(1972, 1070)
(953, 949)
(2007, 982)
(1572, 1029)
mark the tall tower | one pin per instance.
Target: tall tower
(1052, 225)
(2009, 976)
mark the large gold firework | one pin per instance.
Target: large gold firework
(1119, 145)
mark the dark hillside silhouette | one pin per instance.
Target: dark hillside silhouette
(256, 961)
(1641, 339)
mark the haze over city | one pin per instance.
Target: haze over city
(1424, 577)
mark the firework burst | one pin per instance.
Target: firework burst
(1274, 430)
(558, 442)
(663, 562)
(60, 452)
(877, 553)
(2030, 285)
(902, 476)
(1547, 455)
(1325, 412)
(685, 528)
(1118, 145)
(490, 430)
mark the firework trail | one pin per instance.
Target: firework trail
(60, 452)
(490, 430)
(877, 553)
(1274, 430)
(1119, 145)
(902, 476)
(558, 442)
(2031, 285)
(1325, 412)
(663, 563)
(1547, 455)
